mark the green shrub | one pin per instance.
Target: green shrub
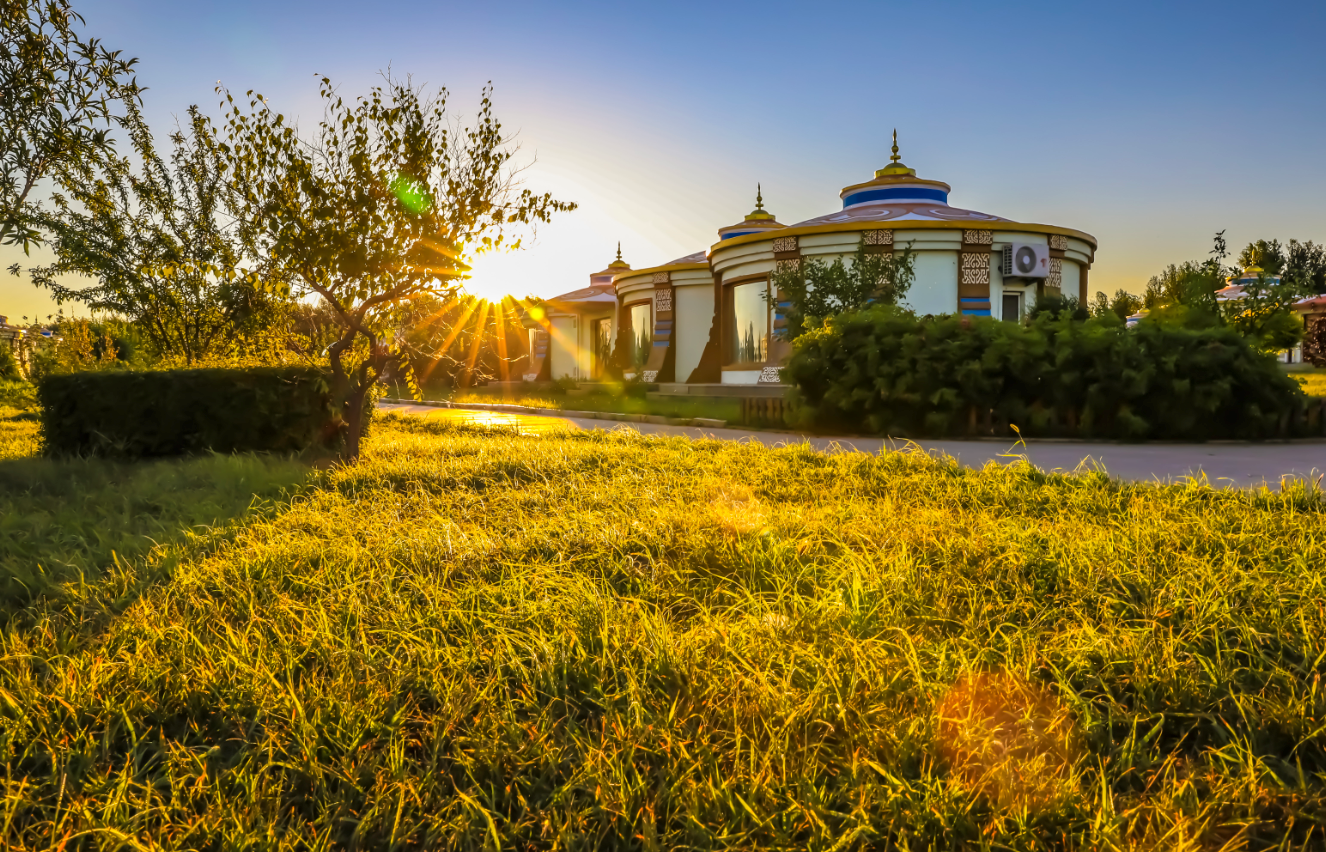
(9, 369)
(135, 414)
(892, 372)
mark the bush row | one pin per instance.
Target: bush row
(892, 372)
(136, 414)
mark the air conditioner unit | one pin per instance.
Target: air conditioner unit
(1025, 261)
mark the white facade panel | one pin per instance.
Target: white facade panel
(1072, 279)
(741, 377)
(935, 288)
(564, 347)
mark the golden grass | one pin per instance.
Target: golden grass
(583, 640)
(1314, 384)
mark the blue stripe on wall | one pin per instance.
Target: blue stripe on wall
(900, 192)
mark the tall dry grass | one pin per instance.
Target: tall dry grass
(477, 640)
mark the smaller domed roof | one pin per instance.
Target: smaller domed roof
(756, 221)
(617, 267)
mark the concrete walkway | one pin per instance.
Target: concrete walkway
(1224, 464)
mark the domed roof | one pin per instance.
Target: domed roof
(756, 221)
(617, 267)
(897, 194)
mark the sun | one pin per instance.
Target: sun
(496, 274)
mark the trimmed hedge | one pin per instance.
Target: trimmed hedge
(892, 372)
(175, 412)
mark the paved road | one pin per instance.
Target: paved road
(1223, 464)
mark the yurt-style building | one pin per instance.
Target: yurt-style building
(710, 317)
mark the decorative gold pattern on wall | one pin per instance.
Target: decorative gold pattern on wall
(785, 244)
(791, 265)
(769, 376)
(978, 238)
(1059, 241)
(660, 277)
(976, 268)
(1056, 276)
(649, 376)
(663, 299)
(879, 237)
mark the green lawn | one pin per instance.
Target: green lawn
(475, 640)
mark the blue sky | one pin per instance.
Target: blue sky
(1149, 125)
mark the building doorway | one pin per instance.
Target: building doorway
(1011, 309)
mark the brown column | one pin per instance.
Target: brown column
(659, 365)
(787, 255)
(974, 273)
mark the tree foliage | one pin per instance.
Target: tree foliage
(1186, 294)
(58, 95)
(814, 290)
(162, 245)
(378, 207)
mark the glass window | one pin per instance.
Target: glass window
(750, 323)
(642, 334)
(601, 338)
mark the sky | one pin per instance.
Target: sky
(1148, 125)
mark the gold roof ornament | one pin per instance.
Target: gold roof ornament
(759, 213)
(619, 263)
(895, 166)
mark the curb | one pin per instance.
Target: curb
(705, 422)
(709, 423)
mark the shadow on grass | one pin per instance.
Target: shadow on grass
(69, 524)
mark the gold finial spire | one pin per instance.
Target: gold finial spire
(895, 167)
(759, 212)
(619, 263)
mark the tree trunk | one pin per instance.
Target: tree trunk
(353, 415)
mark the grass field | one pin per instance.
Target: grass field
(475, 640)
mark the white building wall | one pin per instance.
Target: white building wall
(693, 314)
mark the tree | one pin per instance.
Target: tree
(1264, 313)
(816, 290)
(1269, 257)
(379, 207)
(1123, 305)
(57, 97)
(1192, 284)
(1305, 267)
(162, 245)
